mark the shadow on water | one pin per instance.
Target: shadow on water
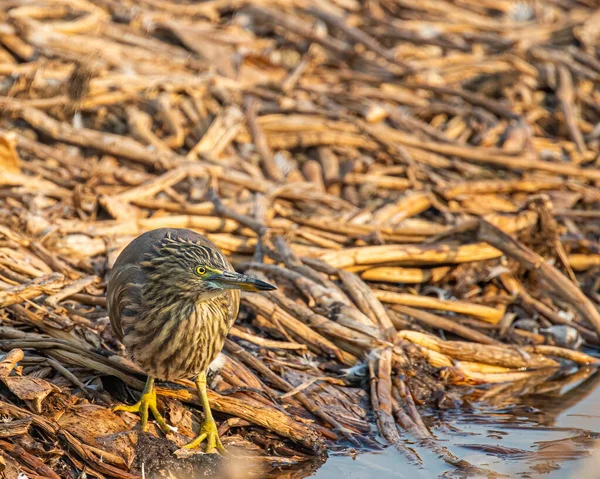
(552, 432)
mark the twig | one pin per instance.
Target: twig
(530, 260)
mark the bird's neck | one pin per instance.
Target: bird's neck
(167, 303)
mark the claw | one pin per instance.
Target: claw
(210, 434)
(146, 403)
(208, 430)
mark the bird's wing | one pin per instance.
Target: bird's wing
(123, 292)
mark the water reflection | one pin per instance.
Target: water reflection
(552, 431)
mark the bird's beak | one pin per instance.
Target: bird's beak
(233, 280)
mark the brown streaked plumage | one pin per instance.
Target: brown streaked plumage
(172, 298)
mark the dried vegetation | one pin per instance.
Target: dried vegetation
(420, 179)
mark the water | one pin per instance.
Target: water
(550, 436)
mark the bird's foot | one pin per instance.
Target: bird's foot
(210, 434)
(146, 403)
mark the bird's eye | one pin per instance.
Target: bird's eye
(201, 270)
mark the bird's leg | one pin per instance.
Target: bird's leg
(146, 402)
(208, 430)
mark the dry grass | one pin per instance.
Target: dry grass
(419, 179)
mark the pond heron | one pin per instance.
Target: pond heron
(172, 298)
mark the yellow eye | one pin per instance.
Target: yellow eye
(201, 270)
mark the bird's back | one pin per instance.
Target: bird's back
(180, 341)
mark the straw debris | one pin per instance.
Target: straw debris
(420, 180)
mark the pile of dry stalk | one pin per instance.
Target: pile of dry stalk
(420, 179)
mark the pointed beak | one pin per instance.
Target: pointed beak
(233, 280)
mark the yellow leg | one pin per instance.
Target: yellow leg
(208, 430)
(146, 402)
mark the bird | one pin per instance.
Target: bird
(172, 297)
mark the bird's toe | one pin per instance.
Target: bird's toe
(210, 434)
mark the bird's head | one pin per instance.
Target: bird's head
(188, 268)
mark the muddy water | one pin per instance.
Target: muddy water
(549, 436)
